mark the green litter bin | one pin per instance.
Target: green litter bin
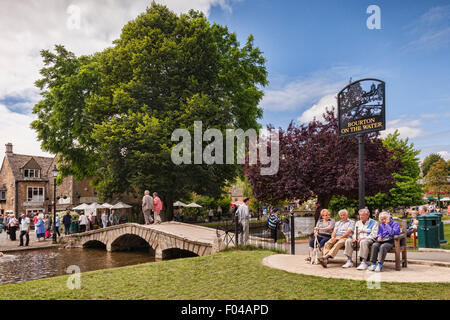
(73, 227)
(441, 228)
(428, 231)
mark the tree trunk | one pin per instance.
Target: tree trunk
(324, 200)
(168, 208)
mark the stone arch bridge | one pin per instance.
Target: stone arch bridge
(164, 240)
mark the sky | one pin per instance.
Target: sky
(312, 49)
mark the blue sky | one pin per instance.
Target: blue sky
(312, 49)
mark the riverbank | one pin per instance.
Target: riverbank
(233, 274)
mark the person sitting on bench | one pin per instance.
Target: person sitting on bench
(367, 234)
(343, 230)
(387, 230)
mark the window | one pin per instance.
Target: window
(34, 211)
(2, 195)
(32, 173)
(35, 194)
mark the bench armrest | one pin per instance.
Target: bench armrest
(400, 236)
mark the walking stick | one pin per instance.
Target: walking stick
(356, 245)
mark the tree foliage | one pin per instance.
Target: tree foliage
(429, 161)
(437, 179)
(111, 114)
(314, 161)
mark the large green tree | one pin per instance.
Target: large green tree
(406, 191)
(111, 114)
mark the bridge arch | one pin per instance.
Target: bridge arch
(94, 244)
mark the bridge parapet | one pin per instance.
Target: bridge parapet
(198, 240)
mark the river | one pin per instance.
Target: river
(38, 264)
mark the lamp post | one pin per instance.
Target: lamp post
(55, 175)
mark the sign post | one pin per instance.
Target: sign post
(361, 110)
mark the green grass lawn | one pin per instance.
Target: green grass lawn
(233, 274)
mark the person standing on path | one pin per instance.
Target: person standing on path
(219, 213)
(243, 218)
(105, 219)
(13, 225)
(67, 219)
(157, 207)
(24, 230)
(57, 225)
(83, 221)
(147, 207)
(40, 229)
(273, 223)
(211, 214)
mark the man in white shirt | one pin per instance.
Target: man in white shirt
(367, 233)
(83, 222)
(243, 218)
(24, 230)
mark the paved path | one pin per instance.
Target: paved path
(413, 273)
(186, 231)
(6, 245)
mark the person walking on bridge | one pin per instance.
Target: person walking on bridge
(147, 207)
(105, 219)
(157, 207)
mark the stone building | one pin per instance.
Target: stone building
(27, 185)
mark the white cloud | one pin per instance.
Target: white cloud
(445, 155)
(406, 128)
(317, 110)
(297, 94)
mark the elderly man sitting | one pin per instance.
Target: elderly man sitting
(365, 234)
(343, 230)
(387, 230)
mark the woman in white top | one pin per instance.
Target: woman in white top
(83, 222)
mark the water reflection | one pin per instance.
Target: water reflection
(39, 264)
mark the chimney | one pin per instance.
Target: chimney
(9, 148)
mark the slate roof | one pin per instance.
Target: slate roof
(18, 161)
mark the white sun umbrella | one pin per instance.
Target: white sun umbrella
(179, 204)
(93, 208)
(82, 206)
(193, 205)
(121, 205)
(107, 205)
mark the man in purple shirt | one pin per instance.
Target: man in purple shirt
(385, 241)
